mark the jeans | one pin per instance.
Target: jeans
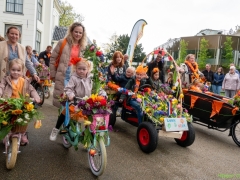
(67, 75)
(230, 93)
(136, 105)
(216, 89)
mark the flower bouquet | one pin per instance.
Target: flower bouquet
(160, 106)
(43, 71)
(16, 112)
(236, 100)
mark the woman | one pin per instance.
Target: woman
(69, 47)
(10, 50)
(189, 71)
(31, 57)
(231, 82)
(217, 81)
(118, 65)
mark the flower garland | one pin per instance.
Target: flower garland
(194, 70)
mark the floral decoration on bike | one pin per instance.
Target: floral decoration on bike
(19, 111)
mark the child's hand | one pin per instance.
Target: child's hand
(38, 100)
(70, 98)
(112, 69)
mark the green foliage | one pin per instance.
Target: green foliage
(203, 53)
(183, 51)
(120, 43)
(68, 15)
(228, 52)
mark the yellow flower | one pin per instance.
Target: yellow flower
(171, 67)
(27, 95)
(170, 96)
(93, 97)
(159, 108)
(181, 95)
(174, 101)
(29, 107)
(17, 112)
(4, 123)
(37, 124)
(139, 96)
(174, 88)
(161, 119)
(87, 123)
(148, 110)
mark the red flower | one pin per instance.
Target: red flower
(99, 53)
(168, 70)
(170, 58)
(103, 102)
(147, 90)
(90, 102)
(102, 128)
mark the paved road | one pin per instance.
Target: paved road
(212, 153)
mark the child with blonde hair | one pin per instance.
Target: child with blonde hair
(196, 85)
(79, 85)
(15, 84)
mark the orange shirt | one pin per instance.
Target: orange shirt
(17, 88)
(75, 51)
(136, 88)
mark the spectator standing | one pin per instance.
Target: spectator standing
(45, 55)
(231, 82)
(208, 74)
(217, 81)
(232, 64)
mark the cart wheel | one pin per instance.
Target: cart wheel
(46, 92)
(147, 137)
(98, 161)
(188, 137)
(12, 151)
(236, 133)
(65, 143)
(112, 118)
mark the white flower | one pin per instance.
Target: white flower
(19, 120)
(85, 98)
(26, 116)
(25, 122)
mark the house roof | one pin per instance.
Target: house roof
(209, 32)
(60, 32)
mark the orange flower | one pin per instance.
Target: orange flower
(113, 86)
(17, 112)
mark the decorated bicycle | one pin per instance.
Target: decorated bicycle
(86, 120)
(15, 115)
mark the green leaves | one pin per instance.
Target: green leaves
(203, 53)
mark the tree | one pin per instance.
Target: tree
(183, 51)
(68, 15)
(203, 53)
(228, 51)
(121, 44)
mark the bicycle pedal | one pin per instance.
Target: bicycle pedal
(63, 132)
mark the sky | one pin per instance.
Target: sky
(165, 19)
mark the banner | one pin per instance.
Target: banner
(136, 35)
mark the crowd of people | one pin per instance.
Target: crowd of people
(74, 78)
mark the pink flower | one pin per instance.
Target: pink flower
(139, 100)
(92, 48)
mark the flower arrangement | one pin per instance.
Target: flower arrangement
(43, 71)
(236, 100)
(14, 112)
(160, 106)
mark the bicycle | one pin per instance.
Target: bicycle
(40, 90)
(77, 132)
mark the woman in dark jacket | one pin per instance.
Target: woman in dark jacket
(217, 81)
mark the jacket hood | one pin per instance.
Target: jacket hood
(89, 75)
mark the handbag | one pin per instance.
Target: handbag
(60, 53)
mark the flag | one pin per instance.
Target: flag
(136, 35)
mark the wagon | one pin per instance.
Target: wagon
(214, 112)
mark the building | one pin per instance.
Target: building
(36, 20)
(216, 46)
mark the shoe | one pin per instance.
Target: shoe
(24, 139)
(119, 112)
(54, 134)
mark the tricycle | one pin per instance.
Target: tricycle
(213, 111)
(159, 119)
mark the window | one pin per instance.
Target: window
(38, 41)
(39, 16)
(9, 25)
(15, 6)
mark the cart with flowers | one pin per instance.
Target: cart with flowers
(15, 115)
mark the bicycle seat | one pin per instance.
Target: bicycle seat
(127, 106)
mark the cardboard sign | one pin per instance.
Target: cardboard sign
(175, 124)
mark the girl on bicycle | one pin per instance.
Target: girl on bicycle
(79, 85)
(14, 84)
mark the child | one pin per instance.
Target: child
(170, 79)
(79, 85)
(117, 63)
(154, 80)
(196, 85)
(122, 80)
(14, 84)
(133, 85)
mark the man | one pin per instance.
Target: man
(125, 58)
(45, 55)
(35, 54)
(157, 63)
(208, 74)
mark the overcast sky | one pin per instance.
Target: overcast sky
(165, 19)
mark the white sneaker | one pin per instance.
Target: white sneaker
(54, 134)
(119, 112)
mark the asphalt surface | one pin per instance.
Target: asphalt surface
(213, 155)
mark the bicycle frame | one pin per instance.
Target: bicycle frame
(7, 140)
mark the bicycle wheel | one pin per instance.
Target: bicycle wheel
(65, 143)
(98, 161)
(40, 90)
(46, 92)
(12, 151)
